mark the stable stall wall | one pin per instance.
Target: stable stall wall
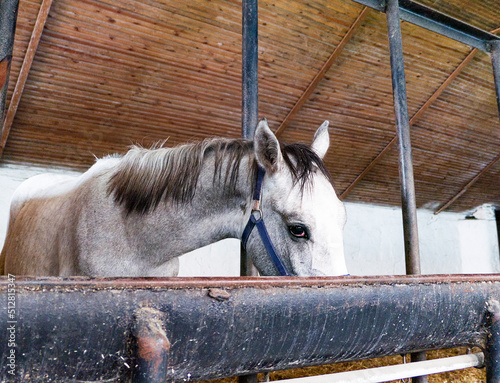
(450, 243)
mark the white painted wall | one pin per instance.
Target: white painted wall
(476, 243)
(449, 243)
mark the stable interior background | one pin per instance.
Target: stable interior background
(110, 73)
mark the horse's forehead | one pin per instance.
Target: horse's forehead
(317, 196)
(320, 198)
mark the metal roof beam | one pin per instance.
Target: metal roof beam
(438, 22)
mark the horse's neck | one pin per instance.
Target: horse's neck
(212, 215)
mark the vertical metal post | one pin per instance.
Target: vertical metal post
(404, 143)
(495, 62)
(8, 18)
(409, 207)
(249, 108)
(250, 101)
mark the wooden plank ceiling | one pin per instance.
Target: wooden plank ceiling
(110, 73)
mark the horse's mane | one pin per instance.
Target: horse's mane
(145, 177)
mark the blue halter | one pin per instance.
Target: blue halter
(256, 219)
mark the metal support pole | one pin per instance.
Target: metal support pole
(8, 17)
(249, 108)
(409, 207)
(250, 101)
(404, 143)
(495, 61)
(493, 345)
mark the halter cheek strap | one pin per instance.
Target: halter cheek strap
(256, 219)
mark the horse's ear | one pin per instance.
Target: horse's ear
(321, 140)
(267, 148)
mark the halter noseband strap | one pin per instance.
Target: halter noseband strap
(256, 219)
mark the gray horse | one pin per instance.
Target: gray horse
(135, 215)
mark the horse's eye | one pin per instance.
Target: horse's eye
(299, 231)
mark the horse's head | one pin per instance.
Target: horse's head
(302, 213)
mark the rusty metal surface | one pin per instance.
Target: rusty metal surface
(152, 346)
(239, 282)
(86, 329)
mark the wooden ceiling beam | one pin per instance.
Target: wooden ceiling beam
(321, 73)
(415, 117)
(43, 13)
(468, 185)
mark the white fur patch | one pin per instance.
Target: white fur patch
(329, 219)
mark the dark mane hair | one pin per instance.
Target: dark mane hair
(303, 162)
(145, 177)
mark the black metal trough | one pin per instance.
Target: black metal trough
(191, 329)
